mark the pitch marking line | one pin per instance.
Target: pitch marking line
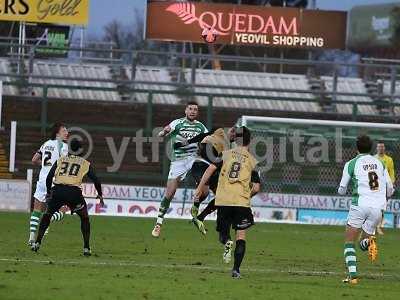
(189, 267)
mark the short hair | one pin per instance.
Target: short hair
(364, 144)
(243, 136)
(55, 129)
(191, 102)
(75, 146)
(380, 142)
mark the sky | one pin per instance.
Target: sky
(104, 11)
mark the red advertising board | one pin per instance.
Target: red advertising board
(245, 25)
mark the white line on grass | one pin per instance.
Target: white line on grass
(190, 267)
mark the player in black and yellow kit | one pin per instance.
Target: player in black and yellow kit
(68, 173)
(233, 195)
(211, 146)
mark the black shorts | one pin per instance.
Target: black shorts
(66, 195)
(239, 217)
(198, 169)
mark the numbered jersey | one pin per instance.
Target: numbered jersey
(71, 170)
(186, 129)
(51, 151)
(235, 178)
(369, 179)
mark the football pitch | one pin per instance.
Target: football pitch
(282, 262)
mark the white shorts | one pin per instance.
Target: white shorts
(367, 218)
(180, 168)
(41, 191)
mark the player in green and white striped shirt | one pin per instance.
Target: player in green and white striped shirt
(182, 158)
(371, 186)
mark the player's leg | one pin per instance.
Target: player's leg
(350, 257)
(355, 220)
(39, 206)
(58, 215)
(85, 228)
(240, 250)
(368, 239)
(379, 229)
(196, 204)
(210, 208)
(172, 185)
(197, 171)
(242, 220)
(53, 205)
(36, 215)
(224, 223)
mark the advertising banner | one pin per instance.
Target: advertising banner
(245, 25)
(46, 11)
(324, 217)
(15, 195)
(177, 210)
(319, 202)
(50, 35)
(374, 25)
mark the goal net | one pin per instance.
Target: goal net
(304, 156)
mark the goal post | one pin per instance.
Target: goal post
(306, 156)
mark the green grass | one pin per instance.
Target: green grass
(282, 262)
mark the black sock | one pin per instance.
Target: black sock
(240, 250)
(85, 228)
(210, 208)
(44, 223)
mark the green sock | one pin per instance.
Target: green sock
(35, 220)
(57, 216)
(351, 260)
(163, 209)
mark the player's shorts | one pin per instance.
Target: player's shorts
(198, 169)
(240, 218)
(180, 168)
(366, 218)
(66, 195)
(41, 191)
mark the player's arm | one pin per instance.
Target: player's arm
(197, 139)
(255, 183)
(389, 184)
(49, 179)
(97, 184)
(168, 129)
(345, 180)
(37, 158)
(204, 179)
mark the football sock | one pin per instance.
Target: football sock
(35, 220)
(197, 204)
(85, 229)
(44, 223)
(240, 250)
(210, 208)
(163, 209)
(364, 244)
(351, 260)
(57, 216)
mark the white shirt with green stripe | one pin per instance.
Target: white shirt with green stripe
(370, 179)
(187, 129)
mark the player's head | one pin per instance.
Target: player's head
(192, 110)
(232, 134)
(242, 136)
(380, 148)
(364, 144)
(59, 131)
(75, 147)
